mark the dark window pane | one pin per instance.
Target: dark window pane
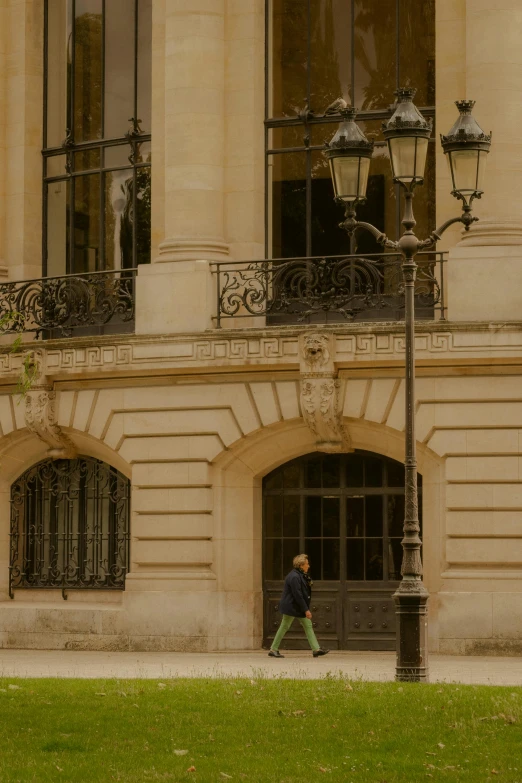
(288, 178)
(118, 210)
(395, 515)
(144, 63)
(290, 550)
(313, 516)
(117, 156)
(330, 53)
(274, 480)
(375, 53)
(88, 70)
(354, 559)
(143, 216)
(395, 474)
(55, 166)
(372, 472)
(354, 470)
(331, 559)
(374, 515)
(273, 515)
(119, 67)
(291, 476)
(331, 471)
(58, 194)
(87, 159)
(394, 559)
(354, 516)
(313, 473)
(273, 558)
(331, 516)
(287, 136)
(374, 559)
(58, 29)
(292, 512)
(313, 550)
(86, 223)
(417, 49)
(289, 57)
(327, 238)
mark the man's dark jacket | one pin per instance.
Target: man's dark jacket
(297, 594)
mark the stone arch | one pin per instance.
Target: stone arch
(237, 480)
(19, 451)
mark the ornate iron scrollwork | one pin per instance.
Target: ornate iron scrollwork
(65, 304)
(69, 526)
(352, 287)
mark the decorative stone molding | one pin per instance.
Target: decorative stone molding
(40, 414)
(204, 248)
(493, 232)
(321, 402)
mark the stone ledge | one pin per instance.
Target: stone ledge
(271, 349)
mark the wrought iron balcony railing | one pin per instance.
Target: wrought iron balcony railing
(90, 303)
(335, 288)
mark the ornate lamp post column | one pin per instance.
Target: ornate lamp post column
(407, 134)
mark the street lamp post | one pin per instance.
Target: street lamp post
(466, 146)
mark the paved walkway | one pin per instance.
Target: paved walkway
(299, 665)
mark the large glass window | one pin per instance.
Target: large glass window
(70, 526)
(318, 51)
(97, 186)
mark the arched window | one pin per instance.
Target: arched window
(359, 50)
(346, 511)
(97, 122)
(70, 526)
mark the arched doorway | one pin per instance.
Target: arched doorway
(346, 511)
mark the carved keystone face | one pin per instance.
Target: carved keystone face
(315, 349)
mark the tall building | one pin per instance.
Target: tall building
(213, 368)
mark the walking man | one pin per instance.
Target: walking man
(295, 602)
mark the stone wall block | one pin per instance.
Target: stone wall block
(466, 615)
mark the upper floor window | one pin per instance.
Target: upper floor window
(97, 122)
(318, 51)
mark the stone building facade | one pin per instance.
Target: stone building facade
(196, 420)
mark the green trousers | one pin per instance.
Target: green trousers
(286, 624)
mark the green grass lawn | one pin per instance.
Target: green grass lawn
(274, 731)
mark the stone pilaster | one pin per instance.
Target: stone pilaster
(175, 293)
(194, 90)
(485, 267)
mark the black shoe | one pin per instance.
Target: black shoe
(320, 651)
(275, 654)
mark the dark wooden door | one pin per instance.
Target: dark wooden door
(346, 512)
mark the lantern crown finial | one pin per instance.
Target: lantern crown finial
(349, 135)
(406, 116)
(466, 129)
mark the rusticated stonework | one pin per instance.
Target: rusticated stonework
(320, 393)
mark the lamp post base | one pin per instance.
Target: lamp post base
(412, 631)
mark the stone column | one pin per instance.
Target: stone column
(3, 91)
(175, 293)
(485, 267)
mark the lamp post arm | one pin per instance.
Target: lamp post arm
(467, 219)
(350, 224)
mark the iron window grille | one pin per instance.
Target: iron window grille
(69, 526)
(97, 141)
